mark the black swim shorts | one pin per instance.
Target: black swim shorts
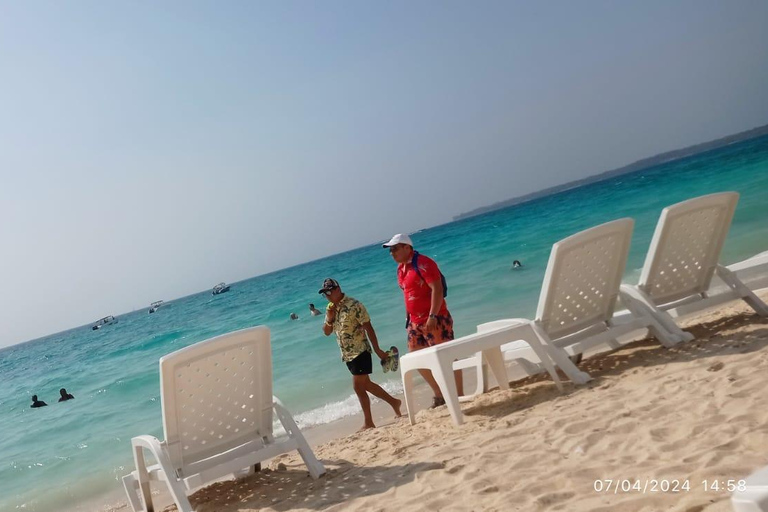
(361, 365)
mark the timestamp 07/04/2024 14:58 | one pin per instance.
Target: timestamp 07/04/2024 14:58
(652, 485)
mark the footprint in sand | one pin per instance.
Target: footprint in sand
(553, 497)
(454, 469)
(716, 367)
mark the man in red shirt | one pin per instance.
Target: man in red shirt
(428, 320)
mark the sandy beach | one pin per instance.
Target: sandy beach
(683, 417)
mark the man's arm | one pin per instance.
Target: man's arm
(330, 316)
(435, 304)
(374, 341)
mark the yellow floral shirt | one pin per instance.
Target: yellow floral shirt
(348, 326)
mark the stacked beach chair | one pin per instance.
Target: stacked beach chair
(577, 306)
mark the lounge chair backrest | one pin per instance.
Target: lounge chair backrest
(583, 277)
(686, 247)
(217, 395)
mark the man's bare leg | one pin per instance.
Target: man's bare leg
(379, 392)
(359, 382)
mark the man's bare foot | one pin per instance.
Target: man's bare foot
(366, 427)
(396, 407)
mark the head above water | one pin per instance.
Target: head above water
(34, 398)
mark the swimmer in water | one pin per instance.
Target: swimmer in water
(64, 395)
(37, 403)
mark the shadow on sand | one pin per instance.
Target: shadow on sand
(293, 488)
(711, 339)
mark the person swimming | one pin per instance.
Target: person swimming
(516, 264)
(294, 316)
(64, 395)
(37, 403)
(314, 311)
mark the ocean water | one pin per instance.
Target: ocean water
(54, 457)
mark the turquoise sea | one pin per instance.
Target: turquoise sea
(54, 457)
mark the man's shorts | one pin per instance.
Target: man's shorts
(361, 365)
(419, 337)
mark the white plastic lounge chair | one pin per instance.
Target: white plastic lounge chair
(683, 257)
(439, 360)
(755, 497)
(578, 298)
(519, 352)
(217, 418)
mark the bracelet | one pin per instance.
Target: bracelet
(432, 316)
(329, 325)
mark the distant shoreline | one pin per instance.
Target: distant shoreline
(635, 166)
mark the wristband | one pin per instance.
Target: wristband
(432, 316)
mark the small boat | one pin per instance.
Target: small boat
(220, 288)
(155, 306)
(107, 320)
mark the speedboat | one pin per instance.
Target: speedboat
(107, 320)
(155, 306)
(220, 288)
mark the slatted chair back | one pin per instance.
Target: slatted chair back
(686, 246)
(217, 395)
(583, 277)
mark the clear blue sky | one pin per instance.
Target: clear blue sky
(152, 149)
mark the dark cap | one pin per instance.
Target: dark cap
(328, 285)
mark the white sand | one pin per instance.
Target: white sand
(693, 413)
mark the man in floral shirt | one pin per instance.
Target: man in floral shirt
(349, 319)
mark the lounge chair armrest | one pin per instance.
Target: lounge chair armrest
(158, 450)
(151, 443)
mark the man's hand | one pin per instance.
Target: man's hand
(382, 355)
(431, 323)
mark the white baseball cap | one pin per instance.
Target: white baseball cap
(399, 238)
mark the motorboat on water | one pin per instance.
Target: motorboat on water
(220, 288)
(155, 306)
(107, 320)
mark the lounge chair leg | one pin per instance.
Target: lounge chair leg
(179, 495)
(175, 487)
(529, 367)
(447, 383)
(131, 485)
(533, 341)
(483, 381)
(560, 357)
(662, 326)
(482, 375)
(747, 295)
(496, 362)
(315, 467)
(142, 479)
(410, 404)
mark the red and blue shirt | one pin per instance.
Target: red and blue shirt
(416, 290)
